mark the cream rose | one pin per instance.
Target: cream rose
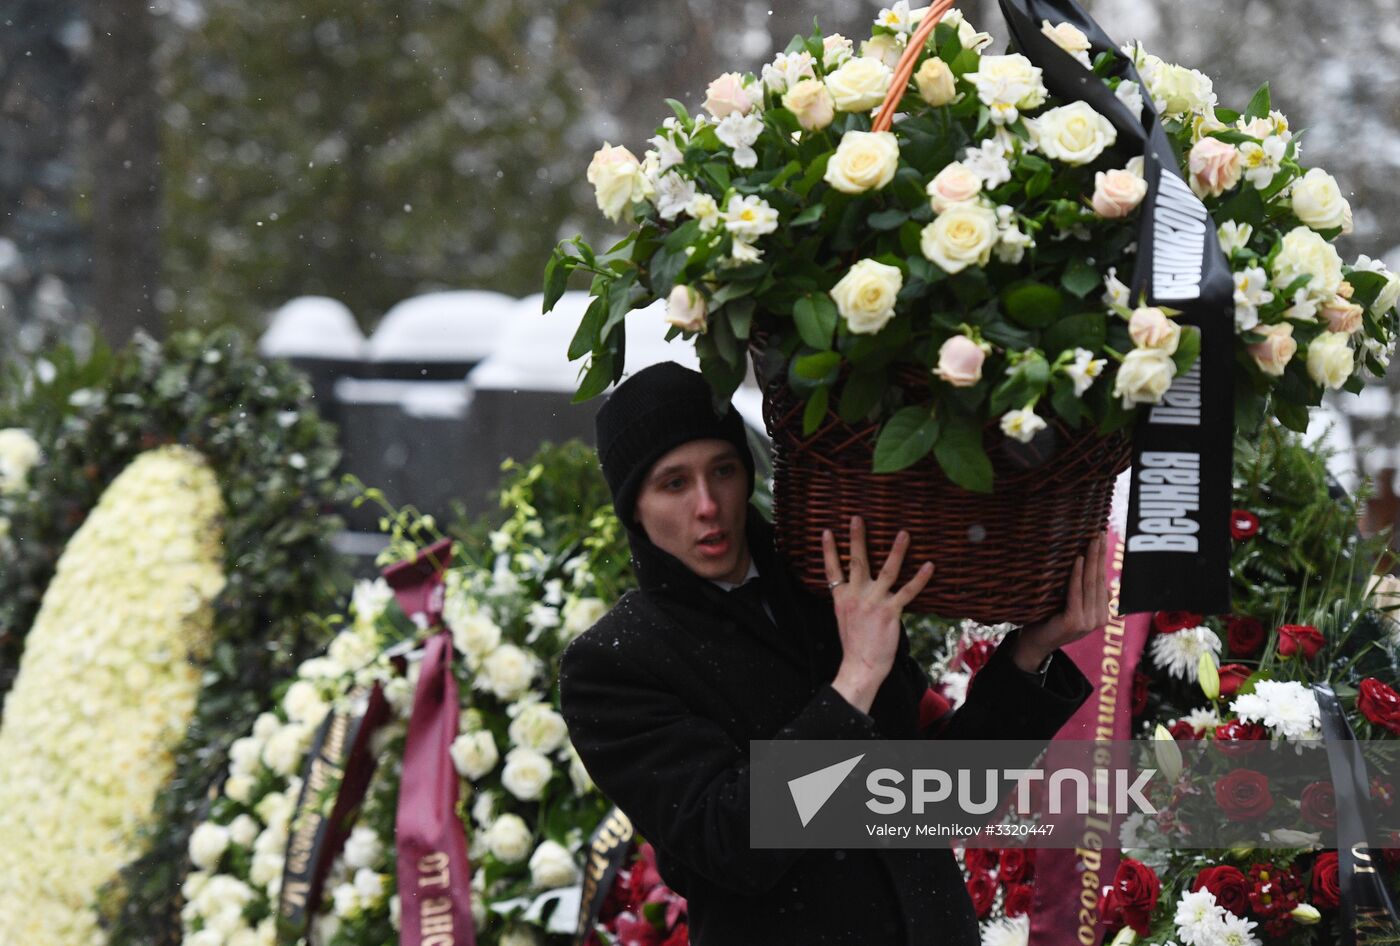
(685, 309)
(1305, 252)
(1074, 133)
(1343, 316)
(1330, 359)
(1388, 296)
(474, 634)
(1318, 201)
(207, 845)
(526, 773)
(836, 49)
(1144, 376)
(960, 361)
(864, 161)
(552, 866)
(617, 179)
(811, 103)
(474, 754)
(363, 847)
(1215, 167)
(1150, 328)
(1068, 37)
(284, 751)
(509, 839)
(859, 84)
(582, 613)
(935, 82)
(507, 671)
(1011, 80)
(953, 185)
(1276, 350)
(539, 727)
(243, 830)
(19, 452)
(960, 237)
(727, 96)
(1117, 193)
(884, 47)
(1178, 90)
(865, 296)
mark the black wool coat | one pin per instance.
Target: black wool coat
(662, 697)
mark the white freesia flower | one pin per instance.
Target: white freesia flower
(897, 18)
(968, 35)
(1022, 424)
(552, 866)
(1116, 294)
(1012, 241)
(705, 209)
(749, 218)
(1084, 370)
(989, 162)
(1261, 161)
(1179, 653)
(1234, 236)
(673, 195)
(740, 132)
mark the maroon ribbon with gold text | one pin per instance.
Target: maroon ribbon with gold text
(434, 874)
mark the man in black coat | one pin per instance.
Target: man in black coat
(664, 693)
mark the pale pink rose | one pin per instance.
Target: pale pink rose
(1215, 167)
(1117, 193)
(1342, 316)
(1273, 353)
(727, 96)
(952, 185)
(960, 362)
(1150, 328)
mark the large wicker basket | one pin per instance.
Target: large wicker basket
(1003, 556)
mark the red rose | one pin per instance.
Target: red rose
(1140, 683)
(1380, 704)
(979, 859)
(1015, 866)
(1181, 729)
(1017, 901)
(1244, 795)
(1228, 884)
(1326, 885)
(975, 655)
(1245, 636)
(982, 888)
(1232, 677)
(1299, 638)
(680, 936)
(1237, 738)
(1134, 894)
(1169, 622)
(1243, 524)
(1319, 805)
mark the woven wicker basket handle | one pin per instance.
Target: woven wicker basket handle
(904, 69)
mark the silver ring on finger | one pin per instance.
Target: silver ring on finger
(831, 585)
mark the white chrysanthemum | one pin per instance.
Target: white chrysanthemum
(1179, 654)
(1007, 931)
(1198, 918)
(1286, 708)
(1201, 718)
(1236, 931)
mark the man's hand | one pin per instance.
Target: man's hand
(868, 612)
(1086, 609)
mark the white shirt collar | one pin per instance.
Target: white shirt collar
(730, 585)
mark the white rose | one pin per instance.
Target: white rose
(578, 774)
(1305, 252)
(1068, 37)
(243, 830)
(865, 296)
(863, 161)
(303, 703)
(1178, 90)
(960, 237)
(1150, 328)
(284, 751)
(205, 937)
(509, 839)
(582, 613)
(207, 844)
(954, 184)
(239, 787)
(1010, 80)
(935, 82)
(526, 773)
(685, 309)
(617, 179)
(552, 866)
(245, 754)
(507, 671)
(1318, 201)
(836, 49)
(369, 885)
(539, 727)
(812, 103)
(859, 84)
(1074, 133)
(19, 453)
(1330, 359)
(474, 754)
(1388, 296)
(363, 847)
(1144, 376)
(475, 634)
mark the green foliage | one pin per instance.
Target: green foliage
(274, 459)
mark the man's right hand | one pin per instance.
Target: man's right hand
(868, 613)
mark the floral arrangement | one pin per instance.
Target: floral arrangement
(640, 910)
(84, 421)
(527, 805)
(978, 246)
(105, 693)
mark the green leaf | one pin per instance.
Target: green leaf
(619, 303)
(1245, 207)
(861, 393)
(740, 316)
(1086, 330)
(556, 279)
(1291, 415)
(719, 173)
(815, 410)
(1259, 105)
(811, 215)
(1066, 404)
(960, 454)
(1188, 349)
(1032, 304)
(1080, 278)
(887, 219)
(731, 291)
(596, 379)
(816, 317)
(666, 267)
(816, 367)
(679, 109)
(905, 439)
(587, 335)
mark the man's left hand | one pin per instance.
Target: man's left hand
(1086, 610)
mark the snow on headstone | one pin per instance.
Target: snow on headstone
(460, 327)
(313, 327)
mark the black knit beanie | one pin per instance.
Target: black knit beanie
(652, 412)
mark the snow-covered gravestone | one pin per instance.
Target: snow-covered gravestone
(319, 336)
(439, 336)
